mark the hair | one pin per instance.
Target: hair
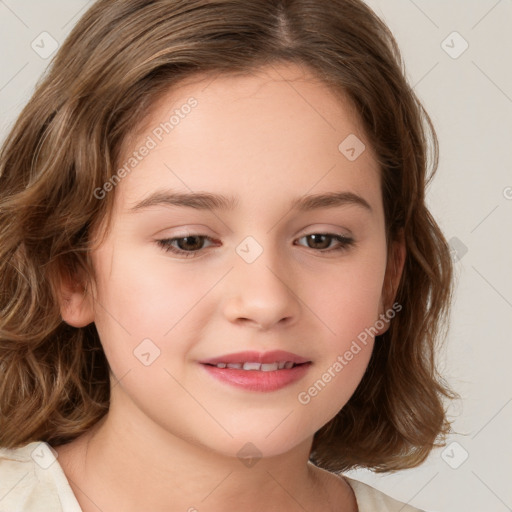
(117, 61)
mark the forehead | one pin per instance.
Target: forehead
(276, 131)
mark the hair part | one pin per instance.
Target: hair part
(118, 60)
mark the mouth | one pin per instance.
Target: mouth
(252, 358)
(260, 367)
(256, 371)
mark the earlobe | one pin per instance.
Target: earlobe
(394, 270)
(76, 306)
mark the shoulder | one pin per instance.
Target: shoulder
(32, 480)
(370, 499)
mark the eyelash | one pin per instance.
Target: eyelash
(165, 244)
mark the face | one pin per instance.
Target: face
(182, 282)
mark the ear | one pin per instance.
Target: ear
(394, 269)
(76, 302)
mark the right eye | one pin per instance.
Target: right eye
(187, 246)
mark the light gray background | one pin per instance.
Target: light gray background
(470, 100)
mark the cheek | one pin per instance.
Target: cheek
(348, 299)
(347, 303)
(141, 293)
(140, 299)
(333, 383)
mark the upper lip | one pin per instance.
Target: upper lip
(257, 357)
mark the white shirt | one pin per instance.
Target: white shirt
(32, 480)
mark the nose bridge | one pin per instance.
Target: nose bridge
(261, 290)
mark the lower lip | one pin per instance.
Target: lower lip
(256, 380)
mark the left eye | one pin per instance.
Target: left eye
(188, 246)
(325, 239)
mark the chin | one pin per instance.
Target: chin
(254, 443)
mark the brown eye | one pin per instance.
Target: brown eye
(322, 242)
(186, 246)
(319, 241)
(190, 243)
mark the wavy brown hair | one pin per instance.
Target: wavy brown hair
(118, 60)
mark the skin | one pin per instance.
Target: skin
(172, 434)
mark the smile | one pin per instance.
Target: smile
(255, 376)
(263, 367)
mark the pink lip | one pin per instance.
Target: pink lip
(257, 357)
(254, 380)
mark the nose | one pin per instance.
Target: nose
(262, 293)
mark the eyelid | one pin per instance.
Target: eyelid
(326, 229)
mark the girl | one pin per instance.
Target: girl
(220, 285)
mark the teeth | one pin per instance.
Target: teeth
(252, 366)
(264, 367)
(270, 367)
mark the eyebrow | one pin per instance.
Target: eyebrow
(209, 201)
